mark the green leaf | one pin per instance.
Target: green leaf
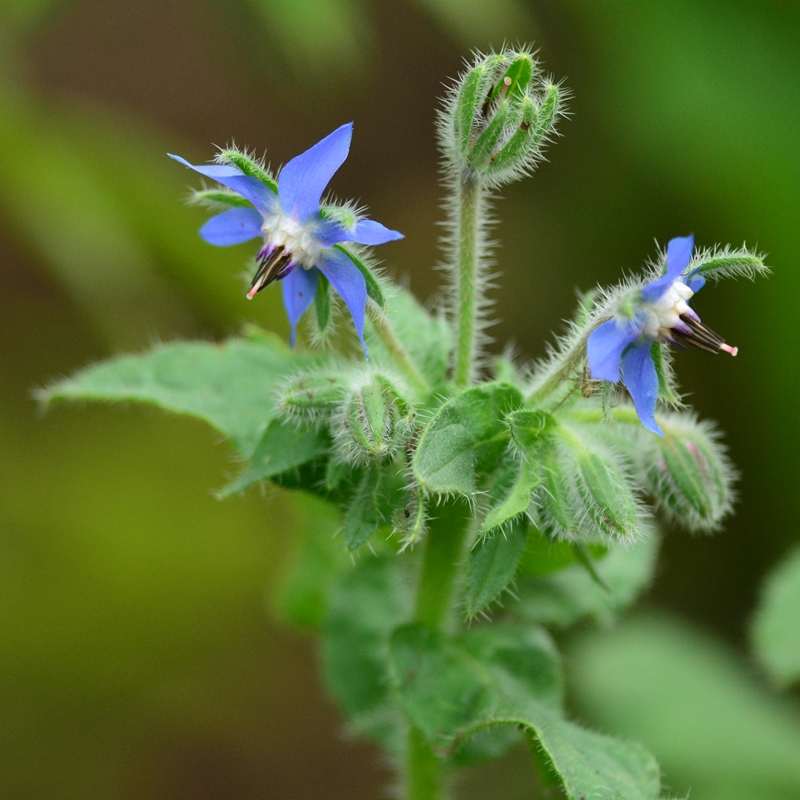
(466, 437)
(564, 597)
(511, 494)
(231, 385)
(492, 564)
(542, 555)
(366, 604)
(717, 730)
(775, 632)
(284, 446)
(374, 291)
(503, 675)
(373, 503)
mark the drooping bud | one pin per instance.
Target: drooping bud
(312, 394)
(500, 117)
(688, 472)
(370, 426)
(585, 494)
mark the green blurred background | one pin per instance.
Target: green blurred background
(140, 655)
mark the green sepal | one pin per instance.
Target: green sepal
(284, 446)
(469, 101)
(481, 152)
(249, 167)
(519, 143)
(365, 605)
(492, 564)
(516, 78)
(232, 386)
(215, 198)
(736, 264)
(556, 514)
(323, 305)
(312, 393)
(374, 291)
(665, 390)
(411, 520)
(464, 439)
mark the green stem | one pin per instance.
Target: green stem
(467, 263)
(394, 346)
(444, 546)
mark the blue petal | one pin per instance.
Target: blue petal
(605, 345)
(259, 194)
(234, 226)
(348, 281)
(694, 281)
(679, 254)
(303, 180)
(364, 232)
(641, 379)
(299, 290)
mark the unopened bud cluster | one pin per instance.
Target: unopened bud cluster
(499, 117)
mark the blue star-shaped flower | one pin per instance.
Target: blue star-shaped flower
(298, 240)
(659, 313)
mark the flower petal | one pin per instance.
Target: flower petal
(695, 282)
(234, 226)
(259, 194)
(366, 231)
(679, 254)
(605, 345)
(303, 180)
(641, 379)
(348, 281)
(299, 289)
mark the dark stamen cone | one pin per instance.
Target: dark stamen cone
(272, 267)
(703, 337)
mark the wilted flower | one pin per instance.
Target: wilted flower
(660, 312)
(299, 237)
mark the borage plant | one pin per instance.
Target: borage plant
(458, 475)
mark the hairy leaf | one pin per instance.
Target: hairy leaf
(365, 605)
(231, 385)
(465, 437)
(284, 446)
(492, 564)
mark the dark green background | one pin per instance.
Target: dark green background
(139, 657)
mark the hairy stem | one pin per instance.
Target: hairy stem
(394, 346)
(468, 255)
(443, 556)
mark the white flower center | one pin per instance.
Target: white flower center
(665, 313)
(284, 231)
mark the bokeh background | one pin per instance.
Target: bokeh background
(141, 652)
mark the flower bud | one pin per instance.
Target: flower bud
(500, 117)
(689, 473)
(370, 425)
(312, 394)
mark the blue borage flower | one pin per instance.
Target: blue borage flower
(298, 239)
(659, 312)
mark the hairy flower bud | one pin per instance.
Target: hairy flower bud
(499, 117)
(689, 474)
(370, 425)
(312, 394)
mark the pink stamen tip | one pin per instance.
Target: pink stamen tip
(251, 294)
(728, 349)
